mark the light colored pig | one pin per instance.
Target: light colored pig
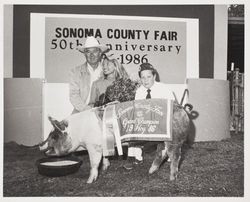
(78, 130)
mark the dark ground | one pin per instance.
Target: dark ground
(207, 169)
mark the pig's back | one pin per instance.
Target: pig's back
(86, 127)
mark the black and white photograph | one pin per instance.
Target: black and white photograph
(124, 99)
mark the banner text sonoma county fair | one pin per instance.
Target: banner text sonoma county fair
(71, 38)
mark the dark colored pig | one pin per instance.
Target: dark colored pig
(84, 129)
(172, 149)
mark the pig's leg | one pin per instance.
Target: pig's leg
(105, 163)
(161, 154)
(95, 156)
(175, 156)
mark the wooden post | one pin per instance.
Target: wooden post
(236, 104)
(236, 80)
(241, 111)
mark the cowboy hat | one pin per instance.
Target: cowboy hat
(92, 42)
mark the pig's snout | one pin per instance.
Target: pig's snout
(43, 146)
(48, 151)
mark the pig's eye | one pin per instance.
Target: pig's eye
(55, 136)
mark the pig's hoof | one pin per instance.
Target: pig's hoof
(105, 166)
(173, 177)
(91, 180)
(92, 177)
(153, 169)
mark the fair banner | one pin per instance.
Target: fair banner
(169, 44)
(137, 120)
(148, 120)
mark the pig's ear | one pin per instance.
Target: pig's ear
(51, 119)
(55, 123)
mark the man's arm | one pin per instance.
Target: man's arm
(94, 95)
(74, 92)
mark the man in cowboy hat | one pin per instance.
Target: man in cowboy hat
(82, 77)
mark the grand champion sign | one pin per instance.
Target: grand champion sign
(170, 44)
(137, 120)
(145, 119)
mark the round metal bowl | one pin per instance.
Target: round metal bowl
(58, 166)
